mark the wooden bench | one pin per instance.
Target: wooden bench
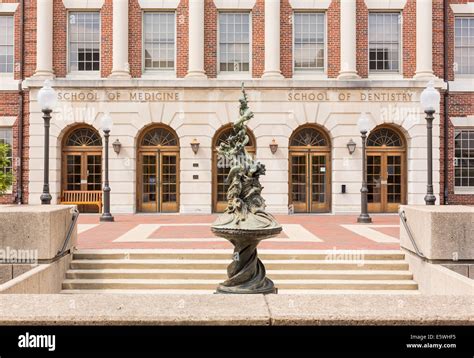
(86, 197)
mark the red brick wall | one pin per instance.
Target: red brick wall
(362, 39)
(30, 39)
(210, 39)
(438, 38)
(451, 38)
(408, 54)
(460, 105)
(258, 39)
(333, 40)
(60, 21)
(106, 46)
(286, 39)
(182, 38)
(9, 107)
(135, 38)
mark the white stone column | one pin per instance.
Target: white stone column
(44, 39)
(196, 40)
(272, 39)
(348, 40)
(120, 66)
(424, 39)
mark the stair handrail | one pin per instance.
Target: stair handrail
(63, 251)
(403, 217)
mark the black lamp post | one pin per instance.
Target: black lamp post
(429, 100)
(364, 217)
(106, 125)
(47, 99)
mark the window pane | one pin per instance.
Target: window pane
(464, 45)
(384, 42)
(6, 44)
(309, 41)
(159, 43)
(464, 157)
(84, 41)
(234, 46)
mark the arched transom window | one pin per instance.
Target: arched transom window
(84, 137)
(159, 137)
(384, 137)
(308, 136)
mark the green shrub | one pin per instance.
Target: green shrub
(6, 178)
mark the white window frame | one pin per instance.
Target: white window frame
(159, 72)
(461, 123)
(469, 189)
(460, 75)
(310, 72)
(240, 74)
(7, 79)
(381, 73)
(10, 74)
(82, 74)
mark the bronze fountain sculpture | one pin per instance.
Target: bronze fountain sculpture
(245, 222)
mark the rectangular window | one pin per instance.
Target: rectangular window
(464, 46)
(84, 41)
(159, 40)
(384, 42)
(6, 137)
(464, 158)
(234, 42)
(6, 44)
(309, 41)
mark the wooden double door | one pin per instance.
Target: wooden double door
(82, 171)
(310, 181)
(158, 181)
(386, 178)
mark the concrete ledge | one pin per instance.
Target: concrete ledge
(440, 232)
(114, 309)
(370, 310)
(146, 309)
(45, 278)
(434, 279)
(36, 230)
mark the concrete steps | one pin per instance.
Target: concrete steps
(205, 264)
(200, 271)
(155, 274)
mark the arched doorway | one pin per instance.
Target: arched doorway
(310, 170)
(82, 163)
(220, 172)
(386, 169)
(158, 170)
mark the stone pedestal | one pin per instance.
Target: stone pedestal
(39, 228)
(441, 232)
(444, 235)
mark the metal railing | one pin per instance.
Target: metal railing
(64, 251)
(402, 215)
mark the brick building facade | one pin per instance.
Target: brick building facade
(174, 68)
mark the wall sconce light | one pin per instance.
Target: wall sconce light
(273, 146)
(351, 146)
(117, 146)
(195, 145)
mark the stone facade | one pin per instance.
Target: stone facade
(204, 105)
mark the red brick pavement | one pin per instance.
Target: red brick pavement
(326, 227)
